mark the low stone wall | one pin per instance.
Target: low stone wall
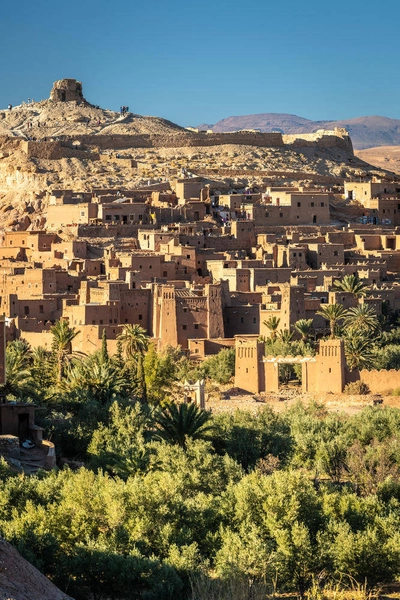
(9, 445)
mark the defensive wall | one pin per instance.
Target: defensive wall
(59, 148)
(179, 140)
(380, 381)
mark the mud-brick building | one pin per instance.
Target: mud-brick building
(286, 303)
(290, 208)
(180, 314)
(366, 190)
(109, 303)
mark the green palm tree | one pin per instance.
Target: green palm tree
(19, 381)
(362, 319)
(272, 324)
(21, 348)
(352, 284)
(177, 422)
(285, 335)
(134, 341)
(63, 335)
(94, 378)
(358, 352)
(304, 327)
(332, 313)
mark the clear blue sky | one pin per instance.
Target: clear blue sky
(194, 62)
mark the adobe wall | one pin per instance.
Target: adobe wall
(184, 139)
(89, 338)
(381, 381)
(39, 337)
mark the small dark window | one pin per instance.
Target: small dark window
(196, 325)
(241, 320)
(41, 309)
(299, 204)
(26, 310)
(312, 204)
(140, 317)
(184, 327)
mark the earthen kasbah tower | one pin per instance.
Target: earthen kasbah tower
(67, 90)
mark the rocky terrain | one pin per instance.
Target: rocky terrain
(365, 132)
(19, 580)
(92, 155)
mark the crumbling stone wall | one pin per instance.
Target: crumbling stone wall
(55, 151)
(322, 138)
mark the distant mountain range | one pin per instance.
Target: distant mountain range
(365, 132)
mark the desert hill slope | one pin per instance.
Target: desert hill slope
(365, 132)
(383, 157)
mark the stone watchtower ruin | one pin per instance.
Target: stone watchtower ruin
(67, 90)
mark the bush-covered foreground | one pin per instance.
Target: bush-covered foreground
(175, 503)
(256, 504)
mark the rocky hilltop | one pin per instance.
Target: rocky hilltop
(66, 142)
(68, 113)
(365, 132)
